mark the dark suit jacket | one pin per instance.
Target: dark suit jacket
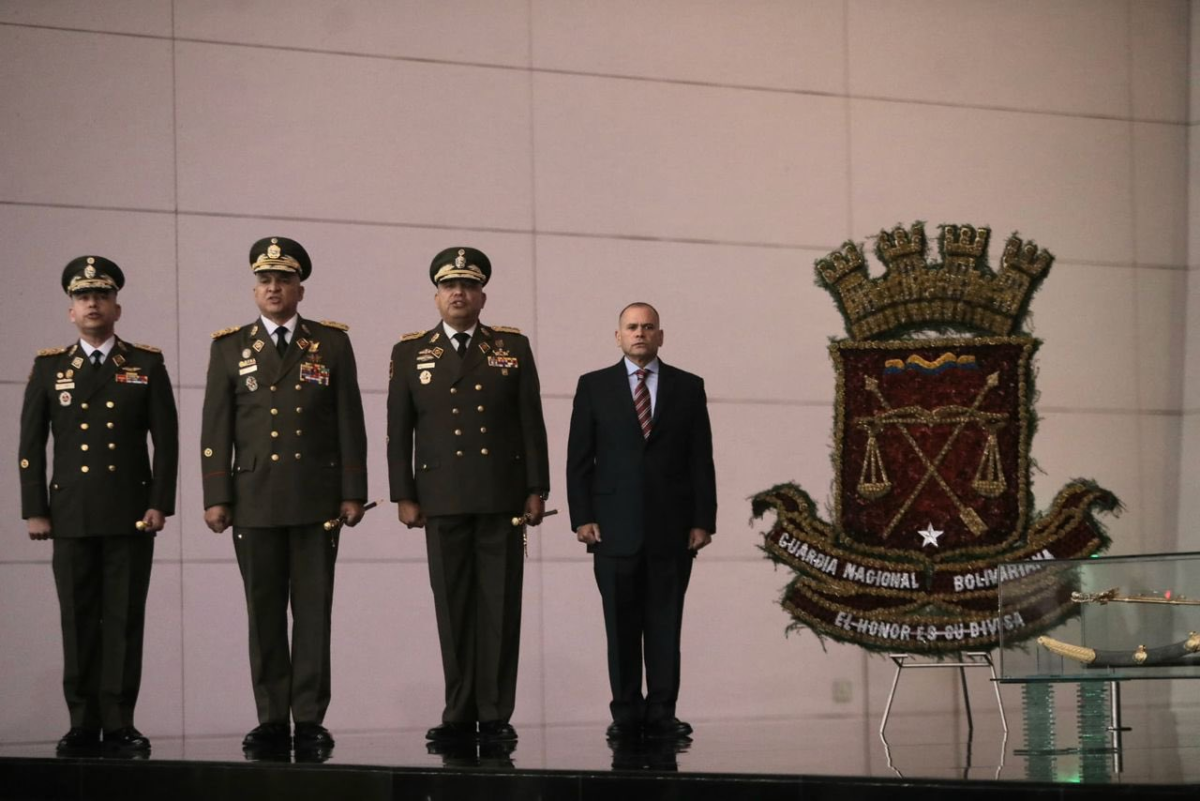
(643, 493)
(104, 479)
(283, 440)
(480, 440)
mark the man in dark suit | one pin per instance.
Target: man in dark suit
(100, 396)
(468, 394)
(284, 451)
(642, 493)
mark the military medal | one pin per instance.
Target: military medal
(314, 373)
(65, 399)
(251, 383)
(426, 376)
(245, 353)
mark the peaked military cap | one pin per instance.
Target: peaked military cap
(92, 274)
(278, 254)
(466, 263)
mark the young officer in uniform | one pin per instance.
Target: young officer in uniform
(284, 450)
(108, 497)
(464, 399)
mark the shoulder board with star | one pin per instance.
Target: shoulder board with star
(147, 348)
(335, 324)
(224, 332)
(50, 352)
(505, 329)
(413, 335)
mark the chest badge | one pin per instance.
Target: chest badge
(65, 398)
(251, 383)
(426, 376)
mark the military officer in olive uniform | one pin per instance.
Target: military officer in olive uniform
(108, 497)
(467, 453)
(284, 449)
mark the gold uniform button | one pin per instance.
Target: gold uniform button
(83, 406)
(83, 426)
(274, 411)
(83, 469)
(483, 429)
(453, 390)
(24, 464)
(454, 410)
(456, 453)
(484, 451)
(112, 446)
(83, 447)
(272, 387)
(110, 405)
(298, 432)
(297, 456)
(274, 457)
(297, 387)
(479, 408)
(208, 451)
(112, 468)
(478, 387)
(457, 432)
(111, 424)
(299, 409)
(274, 433)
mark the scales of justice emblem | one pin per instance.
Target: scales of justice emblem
(933, 422)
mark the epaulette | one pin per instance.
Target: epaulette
(505, 329)
(50, 352)
(224, 332)
(335, 324)
(413, 335)
(147, 348)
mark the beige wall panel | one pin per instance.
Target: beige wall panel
(372, 140)
(373, 278)
(472, 31)
(1189, 499)
(1194, 62)
(575, 665)
(644, 159)
(919, 693)
(1191, 337)
(1063, 182)
(1159, 39)
(197, 543)
(1069, 57)
(1193, 193)
(765, 43)
(731, 314)
(1160, 194)
(1162, 306)
(17, 546)
(146, 17)
(217, 696)
(1159, 447)
(32, 660)
(89, 119)
(1106, 448)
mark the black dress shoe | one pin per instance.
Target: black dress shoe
(451, 732)
(496, 731)
(127, 740)
(668, 729)
(79, 740)
(312, 736)
(268, 738)
(623, 731)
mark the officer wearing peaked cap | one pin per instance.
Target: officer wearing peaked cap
(100, 397)
(284, 449)
(466, 453)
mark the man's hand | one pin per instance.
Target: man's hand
(153, 520)
(352, 512)
(217, 518)
(39, 528)
(698, 538)
(588, 533)
(410, 514)
(535, 509)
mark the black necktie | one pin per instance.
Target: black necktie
(281, 339)
(462, 338)
(97, 358)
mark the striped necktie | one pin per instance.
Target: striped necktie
(641, 401)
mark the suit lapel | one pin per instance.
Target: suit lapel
(296, 348)
(475, 351)
(97, 378)
(620, 389)
(664, 397)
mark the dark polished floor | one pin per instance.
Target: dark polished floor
(813, 758)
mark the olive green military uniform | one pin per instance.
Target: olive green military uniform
(467, 441)
(103, 483)
(283, 444)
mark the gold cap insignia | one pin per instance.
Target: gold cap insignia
(89, 271)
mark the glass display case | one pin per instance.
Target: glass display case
(1119, 618)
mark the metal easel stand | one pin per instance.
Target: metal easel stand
(966, 659)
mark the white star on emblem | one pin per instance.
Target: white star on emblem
(929, 535)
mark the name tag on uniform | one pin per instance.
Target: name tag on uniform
(247, 370)
(315, 373)
(427, 366)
